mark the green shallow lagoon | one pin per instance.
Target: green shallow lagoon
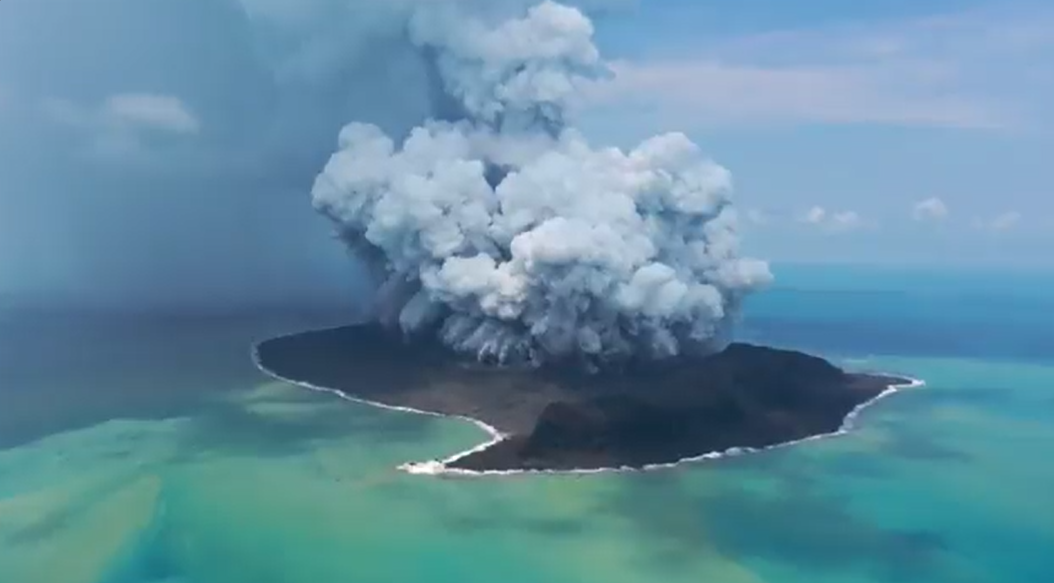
(254, 481)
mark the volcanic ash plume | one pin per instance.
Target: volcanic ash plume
(500, 228)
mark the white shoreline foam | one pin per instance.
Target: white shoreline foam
(441, 467)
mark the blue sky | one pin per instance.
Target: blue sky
(889, 131)
(166, 149)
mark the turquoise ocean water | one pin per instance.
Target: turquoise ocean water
(148, 450)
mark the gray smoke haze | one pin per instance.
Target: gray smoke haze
(495, 222)
(140, 170)
(108, 199)
(157, 153)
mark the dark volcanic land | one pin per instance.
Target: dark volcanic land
(561, 419)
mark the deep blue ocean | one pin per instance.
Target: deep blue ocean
(148, 449)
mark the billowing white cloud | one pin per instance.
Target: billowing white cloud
(319, 37)
(931, 209)
(505, 229)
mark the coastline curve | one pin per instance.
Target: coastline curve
(443, 467)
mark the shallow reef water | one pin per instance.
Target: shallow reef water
(153, 454)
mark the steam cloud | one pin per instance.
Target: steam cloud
(496, 225)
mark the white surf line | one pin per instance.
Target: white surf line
(441, 467)
(492, 431)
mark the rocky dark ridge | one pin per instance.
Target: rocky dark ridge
(642, 414)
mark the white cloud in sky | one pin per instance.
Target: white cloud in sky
(828, 220)
(711, 92)
(816, 215)
(758, 217)
(120, 126)
(1001, 222)
(845, 220)
(1006, 221)
(971, 70)
(149, 111)
(129, 111)
(930, 209)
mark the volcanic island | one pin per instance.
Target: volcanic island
(567, 418)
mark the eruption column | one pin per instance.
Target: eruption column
(506, 233)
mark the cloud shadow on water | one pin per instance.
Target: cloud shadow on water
(914, 445)
(794, 524)
(294, 420)
(53, 522)
(498, 521)
(55, 519)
